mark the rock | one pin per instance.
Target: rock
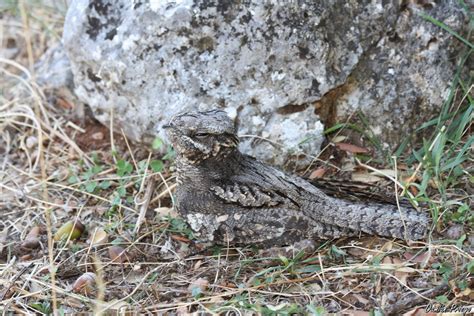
(403, 80)
(54, 75)
(455, 231)
(54, 69)
(268, 64)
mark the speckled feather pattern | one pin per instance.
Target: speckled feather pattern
(229, 197)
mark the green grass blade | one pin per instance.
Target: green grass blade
(447, 29)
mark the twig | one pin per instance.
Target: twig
(144, 205)
(412, 299)
(15, 278)
(402, 217)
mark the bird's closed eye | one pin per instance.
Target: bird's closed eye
(201, 134)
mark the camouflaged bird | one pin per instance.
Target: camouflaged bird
(231, 198)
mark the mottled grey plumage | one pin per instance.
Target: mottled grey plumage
(229, 197)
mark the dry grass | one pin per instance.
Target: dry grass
(56, 168)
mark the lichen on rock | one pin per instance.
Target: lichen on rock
(266, 63)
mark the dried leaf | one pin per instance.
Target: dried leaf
(26, 257)
(382, 172)
(98, 237)
(117, 254)
(71, 228)
(118, 306)
(413, 190)
(417, 257)
(180, 238)
(378, 286)
(365, 177)
(352, 148)
(433, 183)
(85, 283)
(401, 272)
(402, 166)
(318, 173)
(405, 270)
(387, 260)
(358, 252)
(419, 311)
(409, 178)
(166, 211)
(198, 264)
(402, 277)
(338, 139)
(31, 240)
(64, 104)
(468, 294)
(387, 246)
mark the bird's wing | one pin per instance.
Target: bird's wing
(251, 195)
(359, 191)
(255, 184)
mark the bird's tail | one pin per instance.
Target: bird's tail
(380, 219)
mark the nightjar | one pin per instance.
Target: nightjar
(228, 197)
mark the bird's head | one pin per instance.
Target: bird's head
(198, 136)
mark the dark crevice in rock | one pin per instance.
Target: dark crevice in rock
(205, 43)
(326, 106)
(102, 15)
(271, 58)
(292, 108)
(92, 76)
(110, 35)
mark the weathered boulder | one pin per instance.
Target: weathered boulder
(270, 64)
(54, 69)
